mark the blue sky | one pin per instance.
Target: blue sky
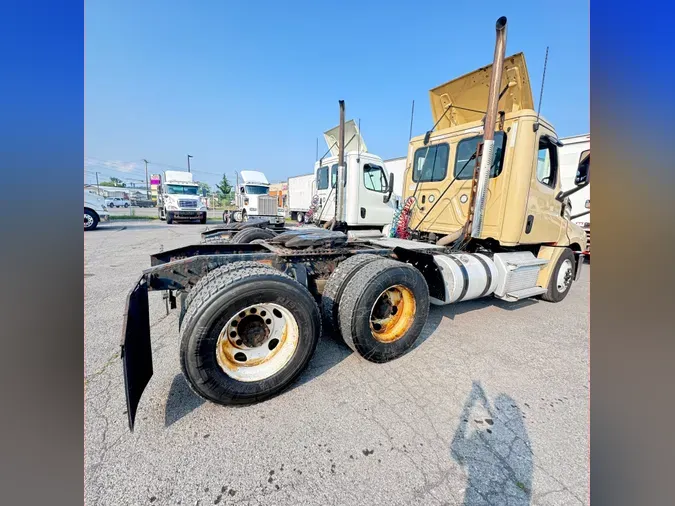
(251, 85)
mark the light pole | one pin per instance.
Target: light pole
(188, 157)
(147, 184)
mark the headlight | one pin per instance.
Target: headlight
(172, 207)
(253, 208)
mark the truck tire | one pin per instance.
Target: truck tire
(249, 234)
(248, 333)
(209, 278)
(383, 309)
(332, 292)
(300, 217)
(561, 278)
(91, 220)
(202, 219)
(218, 239)
(169, 217)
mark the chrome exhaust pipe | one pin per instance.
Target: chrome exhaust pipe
(488, 155)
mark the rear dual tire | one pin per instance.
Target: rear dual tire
(223, 368)
(380, 306)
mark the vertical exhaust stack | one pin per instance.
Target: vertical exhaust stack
(339, 219)
(489, 129)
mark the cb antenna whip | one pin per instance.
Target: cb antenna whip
(541, 93)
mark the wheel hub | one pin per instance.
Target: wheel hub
(564, 276)
(253, 331)
(257, 342)
(392, 314)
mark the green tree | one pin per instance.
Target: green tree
(224, 188)
(204, 186)
(116, 182)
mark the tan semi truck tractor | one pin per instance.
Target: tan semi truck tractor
(483, 217)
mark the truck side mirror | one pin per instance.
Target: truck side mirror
(584, 170)
(390, 189)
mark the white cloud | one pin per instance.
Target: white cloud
(115, 165)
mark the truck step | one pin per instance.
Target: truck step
(525, 293)
(529, 263)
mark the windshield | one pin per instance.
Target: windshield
(257, 190)
(178, 189)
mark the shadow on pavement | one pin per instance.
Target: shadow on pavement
(492, 446)
(181, 401)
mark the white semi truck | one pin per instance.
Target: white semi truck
(178, 198)
(570, 153)
(368, 186)
(252, 198)
(300, 193)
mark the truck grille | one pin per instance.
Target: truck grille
(187, 203)
(267, 206)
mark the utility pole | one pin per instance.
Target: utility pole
(147, 184)
(98, 188)
(189, 156)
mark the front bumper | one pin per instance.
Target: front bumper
(190, 215)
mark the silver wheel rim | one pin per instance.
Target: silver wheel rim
(257, 342)
(564, 276)
(88, 221)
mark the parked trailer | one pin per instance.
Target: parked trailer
(396, 166)
(300, 192)
(251, 314)
(573, 150)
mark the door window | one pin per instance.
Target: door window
(374, 178)
(322, 178)
(547, 162)
(431, 163)
(467, 147)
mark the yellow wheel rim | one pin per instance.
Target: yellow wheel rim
(392, 314)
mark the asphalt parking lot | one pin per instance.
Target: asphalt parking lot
(490, 407)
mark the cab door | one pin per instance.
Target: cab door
(373, 186)
(544, 220)
(326, 196)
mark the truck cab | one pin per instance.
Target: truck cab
(368, 202)
(178, 198)
(523, 209)
(252, 198)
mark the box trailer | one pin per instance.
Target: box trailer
(300, 192)
(570, 154)
(396, 166)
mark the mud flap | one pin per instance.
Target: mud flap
(136, 349)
